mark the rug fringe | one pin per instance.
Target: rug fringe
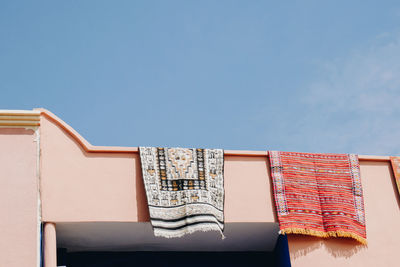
(190, 230)
(324, 234)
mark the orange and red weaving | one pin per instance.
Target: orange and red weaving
(318, 194)
(396, 170)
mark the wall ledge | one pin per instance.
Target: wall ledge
(115, 149)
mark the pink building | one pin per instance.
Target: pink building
(89, 202)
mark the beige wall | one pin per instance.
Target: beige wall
(86, 186)
(18, 198)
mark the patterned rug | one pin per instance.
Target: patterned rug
(396, 170)
(318, 194)
(184, 188)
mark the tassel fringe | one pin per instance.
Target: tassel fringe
(188, 230)
(323, 234)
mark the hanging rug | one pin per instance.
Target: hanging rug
(184, 189)
(395, 161)
(318, 194)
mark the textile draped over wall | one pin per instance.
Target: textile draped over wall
(396, 170)
(184, 189)
(318, 194)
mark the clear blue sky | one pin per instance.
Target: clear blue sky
(311, 76)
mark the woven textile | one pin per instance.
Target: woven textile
(396, 170)
(184, 188)
(318, 194)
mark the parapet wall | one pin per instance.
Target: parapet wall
(83, 183)
(79, 186)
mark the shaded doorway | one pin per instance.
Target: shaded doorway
(133, 244)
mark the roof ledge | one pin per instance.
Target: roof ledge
(110, 149)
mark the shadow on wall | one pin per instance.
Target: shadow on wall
(300, 246)
(16, 131)
(271, 190)
(141, 200)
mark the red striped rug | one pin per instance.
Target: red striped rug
(318, 194)
(396, 170)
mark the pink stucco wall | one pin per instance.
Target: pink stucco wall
(85, 186)
(18, 198)
(81, 186)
